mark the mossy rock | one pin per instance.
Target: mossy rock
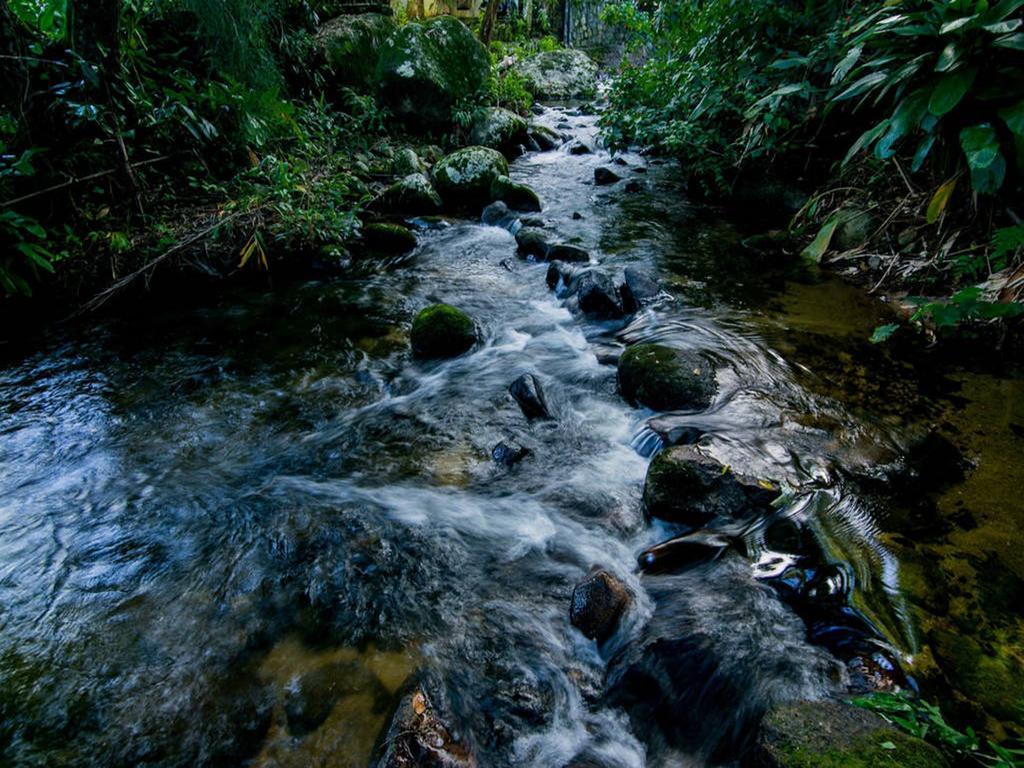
(425, 69)
(994, 679)
(405, 162)
(517, 196)
(351, 45)
(441, 331)
(497, 128)
(412, 194)
(389, 238)
(467, 174)
(562, 74)
(829, 734)
(666, 379)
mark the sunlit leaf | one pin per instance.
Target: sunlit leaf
(819, 246)
(884, 333)
(940, 200)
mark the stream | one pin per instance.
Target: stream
(200, 505)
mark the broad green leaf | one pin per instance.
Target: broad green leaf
(922, 153)
(1014, 118)
(989, 180)
(884, 333)
(861, 85)
(940, 200)
(948, 58)
(1015, 41)
(790, 63)
(866, 139)
(1004, 27)
(821, 242)
(847, 63)
(956, 24)
(980, 144)
(950, 90)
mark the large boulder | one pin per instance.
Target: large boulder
(532, 244)
(351, 45)
(685, 486)
(441, 330)
(498, 128)
(412, 194)
(666, 379)
(515, 195)
(406, 161)
(595, 292)
(831, 734)
(425, 69)
(562, 74)
(638, 290)
(466, 175)
(597, 603)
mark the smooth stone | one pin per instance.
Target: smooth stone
(406, 161)
(633, 186)
(467, 174)
(638, 290)
(666, 379)
(682, 552)
(441, 331)
(597, 604)
(579, 148)
(569, 253)
(545, 138)
(559, 274)
(604, 176)
(527, 391)
(517, 196)
(413, 194)
(509, 454)
(596, 294)
(532, 243)
(389, 238)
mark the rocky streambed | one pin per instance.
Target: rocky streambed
(579, 480)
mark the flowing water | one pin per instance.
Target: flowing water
(202, 507)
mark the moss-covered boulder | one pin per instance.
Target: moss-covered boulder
(412, 194)
(685, 486)
(829, 734)
(389, 238)
(405, 162)
(561, 74)
(466, 175)
(351, 45)
(666, 379)
(441, 330)
(498, 128)
(517, 196)
(425, 69)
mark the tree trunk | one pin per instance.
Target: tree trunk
(487, 25)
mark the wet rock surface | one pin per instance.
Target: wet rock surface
(466, 175)
(514, 194)
(666, 379)
(604, 176)
(532, 243)
(561, 74)
(596, 294)
(597, 603)
(527, 391)
(418, 738)
(441, 331)
(638, 290)
(412, 194)
(497, 128)
(389, 238)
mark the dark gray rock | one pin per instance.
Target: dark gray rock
(596, 294)
(683, 552)
(666, 379)
(638, 290)
(509, 454)
(633, 186)
(597, 603)
(417, 737)
(604, 176)
(570, 253)
(579, 148)
(545, 138)
(528, 392)
(532, 243)
(559, 274)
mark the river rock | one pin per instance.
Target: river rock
(683, 552)
(508, 454)
(466, 175)
(528, 392)
(832, 734)
(497, 128)
(532, 243)
(597, 603)
(633, 186)
(425, 69)
(568, 253)
(545, 138)
(441, 330)
(666, 379)
(351, 46)
(559, 274)
(604, 176)
(498, 215)
(596, 294)
(685, 486)
(417, 737)
(580, 148)
(406, 161)
(638, 290)
(389, 238)
(515, 195)
(567, 73)
(413, 194)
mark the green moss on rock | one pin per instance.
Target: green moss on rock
(829, 734)
(425, 69)
(517, 196)
(412, 194)
(666, 379)
(497, 128)
(562, 74)
(467, 174)
(441, 331)
(389, 238)
(351, 45)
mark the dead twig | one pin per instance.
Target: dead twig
(78, 180)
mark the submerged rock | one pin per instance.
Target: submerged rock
(532, 243)
(545, 138)
(498, 215)
(596, 294)
(418, 738)
(597, 603)
(515, 195)
(441, 330)
(424, 69)
(568, 253)
(638, 290)
(528, 392)
(509, 454)
(562, 74)
(466, 175)
(413, 194)
(831, 734)
(666, 379)
(497, 128)
(351, 46)
(604, 176)
(685, 486)
(389, 238)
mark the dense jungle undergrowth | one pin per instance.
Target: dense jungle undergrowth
(888, 134)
